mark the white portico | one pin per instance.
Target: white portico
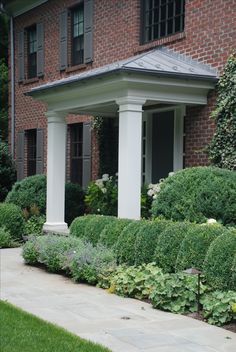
(142, 83)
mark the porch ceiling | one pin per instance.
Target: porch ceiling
(159, 76)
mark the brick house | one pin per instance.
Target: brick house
(148, 67)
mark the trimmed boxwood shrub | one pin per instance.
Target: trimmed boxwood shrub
(94, 227)
(5, 238)
(12, 218)
(7, 171)
(146, 240)
(125, 246)
(194, 247)
(31, 192)
(112, 231)
(74, 202)
(196, 194)
(77, 227)
(168, 245)
(218, 264)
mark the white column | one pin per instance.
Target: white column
(130, 149)
(56, 162)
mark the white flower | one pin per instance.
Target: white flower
(171, 173)
(156, 188)
(99, 183)
(155, 196)
(104, 190)
(105, 177)
(211, 221)
(98, 210)
(150, 193)
(150, 185)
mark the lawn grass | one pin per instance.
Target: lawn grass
(23, 332)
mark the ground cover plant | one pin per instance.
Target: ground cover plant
(21, 331)
(197, 194)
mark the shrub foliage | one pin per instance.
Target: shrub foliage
(196, 194)
(219, 261)
(12, 219)
(7, 171)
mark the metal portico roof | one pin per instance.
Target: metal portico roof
(161, 61)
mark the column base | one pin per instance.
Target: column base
(56, 227)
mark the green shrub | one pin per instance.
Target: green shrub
(146, 240)
(5, 238)
(34, 225)
(219, 261)
(94, 227)
(77, 227)
(125, 246)
(111, 232)
(196, 194)
(74, 202)
(30, 193)
(194, 246)
(176, 293)
(11, 217)
(168, 244)
(218, 307)
(7, 171)
(90, 262)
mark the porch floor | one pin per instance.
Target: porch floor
(122, 324)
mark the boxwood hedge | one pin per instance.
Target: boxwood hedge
(196, 194)
(112, 231)
(219, 261)
(12, 219)
(194, 246)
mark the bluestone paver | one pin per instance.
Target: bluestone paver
(122, 324)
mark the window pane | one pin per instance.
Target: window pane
(162, 18)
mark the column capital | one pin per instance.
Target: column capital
(130, 104)
(55, 116)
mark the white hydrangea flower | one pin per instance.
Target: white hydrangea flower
(99, 183)
(105, 177)
(155, 196)
(211, 221)
(104, 190)
(171, 173)
(150, 192)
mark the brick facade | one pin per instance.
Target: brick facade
(209, 37)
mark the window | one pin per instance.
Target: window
(76, 152)
(162, 18)
(31, 152)
(32, 52)
(77, 35)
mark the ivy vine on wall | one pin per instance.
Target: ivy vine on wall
(222, 149)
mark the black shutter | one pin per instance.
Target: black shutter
(20, 153)
(86, 154)
(39, 151)
(40, 50)
(63, 40)
(88, 31)
(21, 64)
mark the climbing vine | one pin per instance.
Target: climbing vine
(222, 149)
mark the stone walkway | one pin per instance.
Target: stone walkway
(122, 324)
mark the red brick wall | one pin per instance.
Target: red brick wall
(209, 36)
